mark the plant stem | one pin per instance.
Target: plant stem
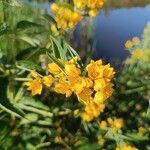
(35, 110)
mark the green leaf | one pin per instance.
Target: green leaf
(49, 18)
(58, 50)
(55, 60)
(26, 100)
(136, 137)
(30, 40)
(26, 24)
(29, 65)
(3, 29)
(15, 3)
(10, 108)
(73, 54)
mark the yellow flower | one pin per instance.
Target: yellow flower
(65, 17)
(87, 116)
(85, 95)
(108, 73)
(118, 123)
(71, 70)
(63, 87)
(92, 110)
(77, 84)
(103, 124)
(135, 41)
(99, 97)
(126, 147)
(80, 3)
(48, 80)
(128, 44)
(34, 74)
(54, 8)
(103, 94)
(54, 29)
(101, 140)
(99, 84)
(54, 68)
(89, 82)
(110, 121)
(76, 16)
(95, 69)
(137, 54)
(35, 86)
(58, 139)
(107, 90)
(92, 12)
(141, 131)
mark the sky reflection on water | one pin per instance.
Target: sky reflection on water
(117, 26)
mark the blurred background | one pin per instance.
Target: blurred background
(118, 21)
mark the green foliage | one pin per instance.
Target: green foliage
(37, 123)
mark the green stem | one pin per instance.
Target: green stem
(139, 89)
(35, 110)
(23, 79)
(9, 111)
(46, 144)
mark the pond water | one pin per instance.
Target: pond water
(114, 27)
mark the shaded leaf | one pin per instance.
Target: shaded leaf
(26, 24)
(30, 65)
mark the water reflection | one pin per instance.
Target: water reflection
(116, 25)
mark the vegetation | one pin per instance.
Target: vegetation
(51, 99)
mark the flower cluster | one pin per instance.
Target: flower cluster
(91, 5)
(113, 123)
(126, 147)
(65, 18)
(92, 86)
(130, 43)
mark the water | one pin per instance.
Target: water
(112, 29)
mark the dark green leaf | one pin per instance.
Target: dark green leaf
(30, 65)
(26, 24)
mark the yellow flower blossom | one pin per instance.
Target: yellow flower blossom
(71, 70)
(54, 8)
(89, 82)
(113, 123)
(54, 68)
(91, 5)
(99, 84)
(35, 86)
(126, 147)
(95, 70)
(92, 110)
(92, 86)
(85, 95)
(103, 124)
(137, 54)
(63, 87)
(65, 17)
(48, 80)
(101, 140)
(135, 41)
(92, 12)
(118, 123)
(99, 97)
(108, 73)
(128, 44)
(141, 131)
